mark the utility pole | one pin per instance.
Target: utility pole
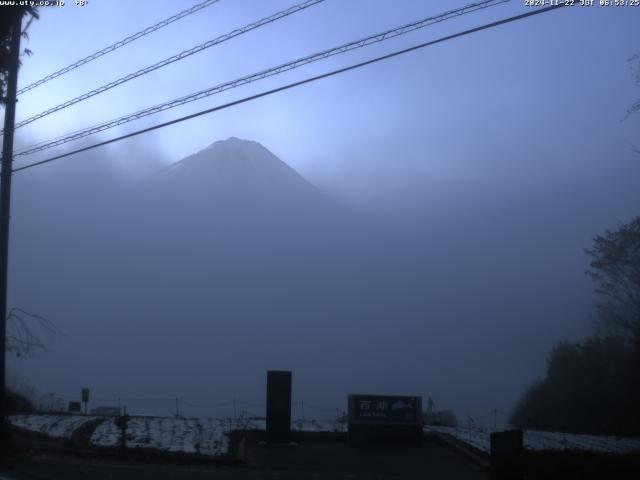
(5, 197)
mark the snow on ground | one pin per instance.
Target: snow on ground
(206, 436)
(210, 436)
(537, 440)
(57, 426)
(475, 438)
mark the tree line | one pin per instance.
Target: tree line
(593, 386)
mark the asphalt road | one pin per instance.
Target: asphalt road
(310, 460)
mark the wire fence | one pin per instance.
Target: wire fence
(310, 417)
(302, 410)
(234, 408)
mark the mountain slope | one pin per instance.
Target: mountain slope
(233, 170)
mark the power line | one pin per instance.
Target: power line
(248, 404)
(363, 42)
(23, 151)
(299, 83)
(120, 43)
(320, 409)
(175, 58)
(211, 407)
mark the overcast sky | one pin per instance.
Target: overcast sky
(514, 135)
(562, 74)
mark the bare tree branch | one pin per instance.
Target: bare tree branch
(22, 339)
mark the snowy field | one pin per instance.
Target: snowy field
(536, 440)
(57, 426)
(210, 436)
(205, 436)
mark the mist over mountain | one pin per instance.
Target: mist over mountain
(194, 281)
(234, 188)
(415, 227)
(233, 167)
(203, 267)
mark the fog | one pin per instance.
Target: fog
(166, 287)
(431, 242)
